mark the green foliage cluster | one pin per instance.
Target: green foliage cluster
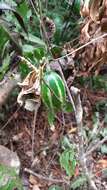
(21, 35)
(29, 41)
(9, 180)
(68, 161)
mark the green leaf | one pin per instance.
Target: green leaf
(55, 187)
(39, 53)
(58, 20)
(9, 180)
(3, 39)
(76, 6)
(23, 69)
(65, 143)
(56, 51)
(53, 92)
(34, 40)
(68, 161)
(4, 7)
(104, 149)
(99, 82)
(23, 9)
(27, 48)
(79, 182)
(10, 37)
(68, 107)
(51, 118)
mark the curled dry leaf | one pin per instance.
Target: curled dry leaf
(85, 8)
(30, 85)
(95, 10)
(85, 32)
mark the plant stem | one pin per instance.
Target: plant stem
(79, 115)
(33, 128)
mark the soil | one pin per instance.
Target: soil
(17, 136)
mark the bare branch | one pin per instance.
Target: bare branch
(46, 178)
(79, 116)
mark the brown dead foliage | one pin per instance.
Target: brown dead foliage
(93, 56)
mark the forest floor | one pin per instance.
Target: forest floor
(17, 136)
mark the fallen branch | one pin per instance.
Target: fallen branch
(46, 178)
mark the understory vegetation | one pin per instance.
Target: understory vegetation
(53, 95)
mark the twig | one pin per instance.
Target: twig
(81, 47)
(46, 178)
(33, 128)
(40, 18)
(34, 8)
(43, 27)
(97, 145)
(28, 63)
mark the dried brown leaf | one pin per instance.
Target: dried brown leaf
(95, 9)
(35, 187)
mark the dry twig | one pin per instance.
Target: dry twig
(46, 178)
(83, 46)
(33, 128)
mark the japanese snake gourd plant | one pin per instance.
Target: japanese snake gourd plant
(51, 87)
